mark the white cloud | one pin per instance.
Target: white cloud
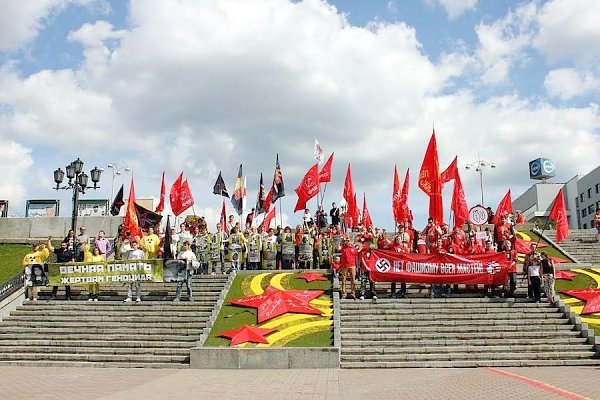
(569, 30)
(16, 161)
(568, 83)
(455, 8)
(21, 21)
(503, 42)
(205, 86)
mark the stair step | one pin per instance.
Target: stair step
(107, 349)
(365, 344)
(455, 329)
(90, 343)
(472, 363)
(419, 317)
(78, 326)
(96, 330)
(140, 358)
(467, 348)
(89, 364)
(59, 335)
(459, 335)
(463, 356)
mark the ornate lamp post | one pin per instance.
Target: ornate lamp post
(78, 182)
(479, 166)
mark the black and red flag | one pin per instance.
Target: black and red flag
(237, 199)
(115, 207)
(278, 187)
(219, 188)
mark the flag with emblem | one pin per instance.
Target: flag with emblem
(278, 187)
(238, 193)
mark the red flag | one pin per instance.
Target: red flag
(131, 223)
(268, 198)
(161, 204)
(404, 212)
(559, 214)
(350, 197)
(308, 187)
(267, 221)
(174, 197)
(459, 202)
(450, 173)
(325, 173)
(185, 196)
(223, 219)
(504, 208)
(430, 182)
(366, 216)
(396, 196)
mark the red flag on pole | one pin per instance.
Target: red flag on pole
(268, 198)
(450, 173)
(174, 197)
(504, 208)
(267, 221)
(404, 212)
(350, 197)
(396, 195)
(430, 182)
(459, 202)
(325, 173)
(161, 203)
(308, 187)
(223, 219)
(131, 223)
(185, 196)
(559, 214)
(366, 216)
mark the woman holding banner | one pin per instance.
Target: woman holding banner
(94, 256)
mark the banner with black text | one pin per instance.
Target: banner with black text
(119, 271)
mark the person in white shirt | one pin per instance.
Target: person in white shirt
(533, 275)
(134, 254)
(191, 264)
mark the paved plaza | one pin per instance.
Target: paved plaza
(470, 383)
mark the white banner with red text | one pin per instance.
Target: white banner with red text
(388, 266)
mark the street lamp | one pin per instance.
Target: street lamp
(78, 182)
(116, 170)
(479, 166)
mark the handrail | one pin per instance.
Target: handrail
(11, 285)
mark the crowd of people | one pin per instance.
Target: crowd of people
(322, 240)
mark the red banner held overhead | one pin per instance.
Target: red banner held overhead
(430, 181)
(325, 173)
(388, 266)
(559, 214)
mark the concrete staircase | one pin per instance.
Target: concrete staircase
(458, 332)
(156, 333)
(581, 244)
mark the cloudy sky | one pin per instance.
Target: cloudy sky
(202, 86)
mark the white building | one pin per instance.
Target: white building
(582, 196)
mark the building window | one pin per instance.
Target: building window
(583, 213)
(584, 226)
(589, 193)
(597, 188)
(581, 197)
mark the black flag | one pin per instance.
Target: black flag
(167, 253)
(278, 188)
(260, 198)
(219, 188)
(117, 203)
(147, 218)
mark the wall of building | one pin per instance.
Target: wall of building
(588, 198)
(57, 227)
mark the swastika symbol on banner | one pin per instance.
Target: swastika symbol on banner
(492, 268)
(383, 265)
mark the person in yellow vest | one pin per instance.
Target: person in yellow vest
(216, 259)
(201, 248)
(38, 255)
(150, 243)
(254, 249)
(288, 248)
(305, 250)
(324, 247)
(269, 251)
(94, 256)
(236, 246)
